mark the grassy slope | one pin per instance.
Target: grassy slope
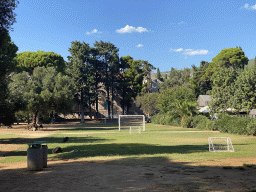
(100, 142)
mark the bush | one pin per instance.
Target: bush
(251, 127)
(186, 122)
(238, 125)
(166, 119)
(199, 122)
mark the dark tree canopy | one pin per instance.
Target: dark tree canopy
(7, 16)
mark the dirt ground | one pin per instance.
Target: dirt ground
(70, 175)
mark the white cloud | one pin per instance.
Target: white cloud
(246, 6)
(191, 52)
(139, 45)
(131, 29)
(93, 32)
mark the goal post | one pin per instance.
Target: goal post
(220, 144)
(127, 121)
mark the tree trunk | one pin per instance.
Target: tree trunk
(38, 118)
(82, 107)
(112, 102)
(97, 100)
(90, 107)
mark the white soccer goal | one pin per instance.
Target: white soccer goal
(220, 144)
(135, 129)
(127, 121)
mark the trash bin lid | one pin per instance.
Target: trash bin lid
(40, 142)
(34, 145)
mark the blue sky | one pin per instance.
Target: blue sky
(166, 33)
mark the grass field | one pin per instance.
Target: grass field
(98, 157)
(105, 143)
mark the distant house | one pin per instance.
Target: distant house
(252, 113)
(155, 82)
(203, 100)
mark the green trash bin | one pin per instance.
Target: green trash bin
(34, 157)
(45, 152)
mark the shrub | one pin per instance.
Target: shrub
(199, 122)
(251, 127)
(186, 122)
(166, 119)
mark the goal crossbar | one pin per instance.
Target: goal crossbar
(131, 117)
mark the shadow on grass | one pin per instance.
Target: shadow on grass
(50, 140)
(126, 149)
(140, 174)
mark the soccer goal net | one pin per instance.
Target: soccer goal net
(135, 129)
(127, 121)
(220, 144)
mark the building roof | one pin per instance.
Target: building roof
(253, 112)
(205, 97)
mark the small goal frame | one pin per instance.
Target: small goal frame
(225, 146)
(143, 119)
(135, 127)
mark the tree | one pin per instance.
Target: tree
(244, 94)
(7, 16)
(27, 61)
(7, 52)
(146, 70)
(230, 58)
(158, 75)
(148, 103)
(224, 70)
(108, 55)
(82, 72)
(176, 78)
(43, 91)
(199, 84)
(168, 99)
(131, 82)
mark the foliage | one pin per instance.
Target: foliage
(170, 99)
(7, 16)
(166, 119)
(226, 124)
(198, 84)
(148, 103)
(244, 96)
(131, 78)
(43, 91)
(158, 75)
(82, 69)
(223, 71)
(27, 61)
(176, 78)
(7, 52)
(228, 58)
(223, 89)
(199, 121)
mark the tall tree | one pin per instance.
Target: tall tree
(200, 85)
(223, 71)
(43, 91)
(27, 61)
(158, 75)
(7, 53)
(108, 55)
(146, 72)
(244, 94)
(7, 16)
(82, 72)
